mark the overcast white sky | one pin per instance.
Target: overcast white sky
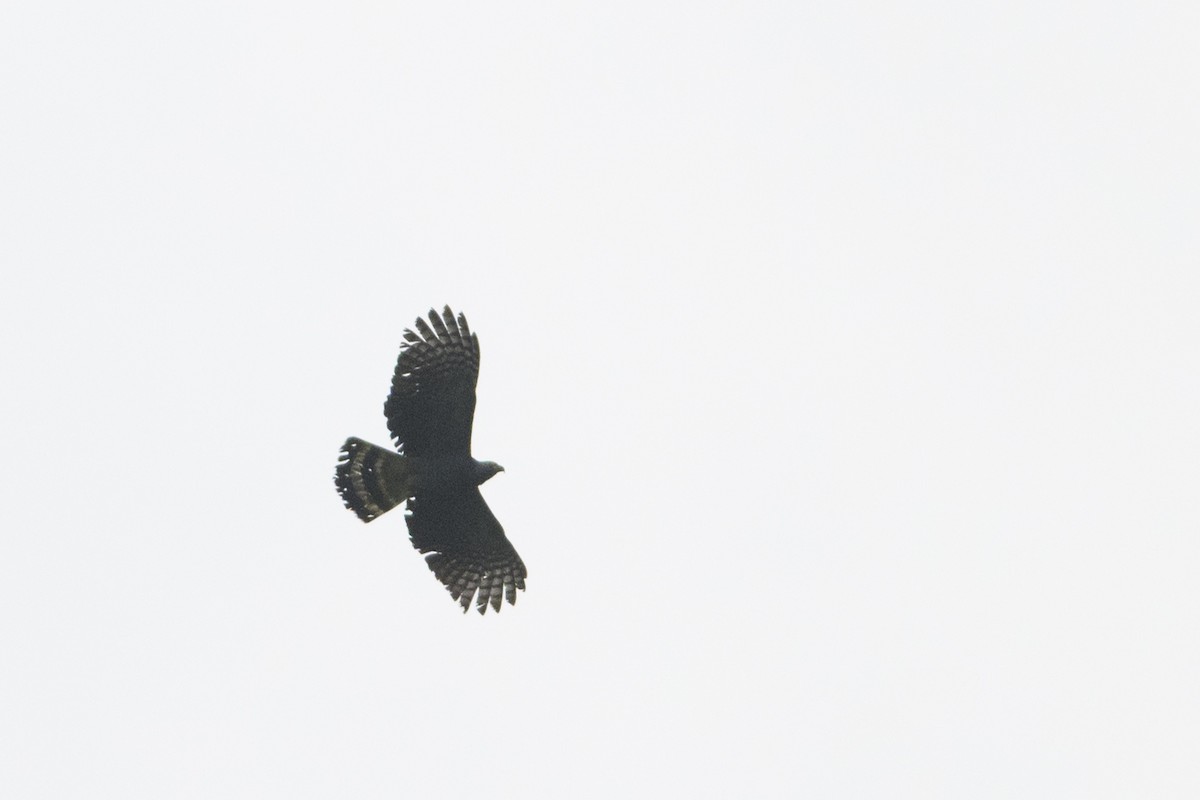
(844, 360)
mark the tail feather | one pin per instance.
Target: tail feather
(371, 480)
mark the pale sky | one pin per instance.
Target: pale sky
(843, 358)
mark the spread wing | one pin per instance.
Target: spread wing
(432, 402)
(468, 549)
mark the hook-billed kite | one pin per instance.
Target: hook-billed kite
(429, 414)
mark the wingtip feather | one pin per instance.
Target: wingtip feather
(438, 325)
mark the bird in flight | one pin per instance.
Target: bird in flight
(429, 413)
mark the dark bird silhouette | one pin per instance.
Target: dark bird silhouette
(429, 412)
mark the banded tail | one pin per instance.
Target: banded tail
(372, 480)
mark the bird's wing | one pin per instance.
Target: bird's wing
(432, 402)
(467, 547)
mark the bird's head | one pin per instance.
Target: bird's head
(485, 470)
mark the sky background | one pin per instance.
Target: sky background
(843, 358)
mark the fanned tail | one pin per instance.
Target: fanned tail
(372, 480)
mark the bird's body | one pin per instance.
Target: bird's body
(430, 412)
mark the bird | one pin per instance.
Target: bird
(429, 412)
